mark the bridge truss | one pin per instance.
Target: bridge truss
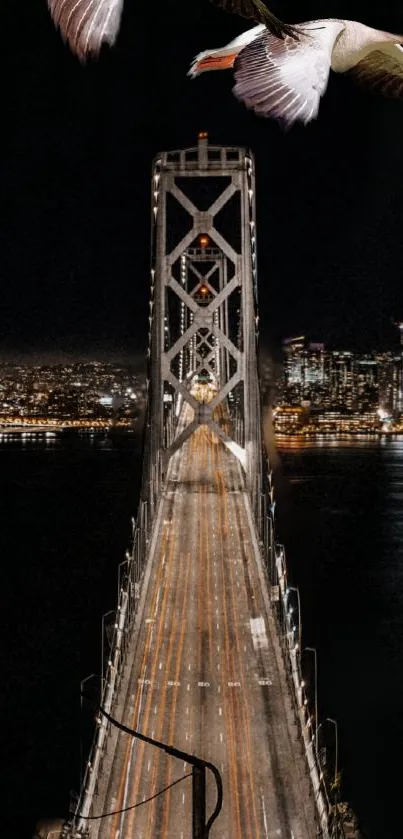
(203, 306)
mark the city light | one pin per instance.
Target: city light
(87, 395)
(337, 391)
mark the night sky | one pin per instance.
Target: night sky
(79, 143)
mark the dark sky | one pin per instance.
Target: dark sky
(79, 143)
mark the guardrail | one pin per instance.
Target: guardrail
(131, 574)
(291, 636)
(130, 579)
(274, 559)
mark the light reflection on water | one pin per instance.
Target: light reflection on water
(326, 441)
(42, 440)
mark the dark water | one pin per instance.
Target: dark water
(340, 513)
(64, 527)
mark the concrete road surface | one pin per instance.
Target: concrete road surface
(205, 674)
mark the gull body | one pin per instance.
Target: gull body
(286, 78)
(355, 42)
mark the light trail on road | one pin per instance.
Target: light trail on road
(202, 678)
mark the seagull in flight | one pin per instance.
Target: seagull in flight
(88, 24)
(285, 78)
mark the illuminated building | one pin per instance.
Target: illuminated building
(294, 371)
(342, 381)
(366, 383)
(65, 393)
(305, 374)
(338, 391)
(391, 382)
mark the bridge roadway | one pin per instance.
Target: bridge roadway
(206, 673)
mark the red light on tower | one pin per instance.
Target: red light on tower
(203, 289)
(204, 241)
(203, 135)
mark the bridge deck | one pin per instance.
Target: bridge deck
(206, 674)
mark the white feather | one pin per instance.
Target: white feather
(286, 78)
(87, 24)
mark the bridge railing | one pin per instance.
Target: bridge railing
(131, 574)
(289, 630)
(274, 558)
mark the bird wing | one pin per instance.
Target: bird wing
(87, 24)
(286, 79)
(382, 70)
(256, 10)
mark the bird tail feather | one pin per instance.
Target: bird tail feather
(274, 24)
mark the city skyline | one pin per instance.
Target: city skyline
(68, 394)
(321, 390)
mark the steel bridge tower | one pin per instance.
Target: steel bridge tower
(203, 307)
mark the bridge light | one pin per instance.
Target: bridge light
(204, 241)
(203, 289)
(202, 135)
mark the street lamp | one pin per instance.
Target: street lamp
(313, 650)
(200, 828)
(293, 588)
